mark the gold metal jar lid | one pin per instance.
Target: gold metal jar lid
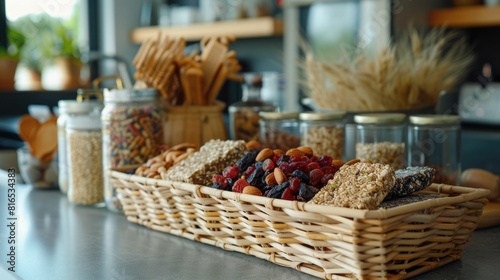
(380, 118)
(322, 116)
(434, 119)
(278, 115)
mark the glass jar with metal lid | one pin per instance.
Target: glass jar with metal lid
(381, 138)
(84, 140)
(279, 130)
(323, 132)
(132, 126)
(66, 109)
(434, 141)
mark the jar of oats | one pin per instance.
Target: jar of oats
(132, 131)
(84, 141)
(434, 141)
(68, 108)
(279, 130)
(323, 132)
(380, 138)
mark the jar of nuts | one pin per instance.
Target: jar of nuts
(380, 138)
(279, 130)
(323, 132)
(66, 109)
(434, 141)
(84, 140)
(244, 115)
(132, 128)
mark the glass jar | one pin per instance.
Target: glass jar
(380, 138)
(66, 109)
(323, 132)
(132, 127)
(84, 155)
(244, 115)
(279, 130)
(434, 141)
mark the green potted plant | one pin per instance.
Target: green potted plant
(9, 58)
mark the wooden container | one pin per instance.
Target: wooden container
(194, 124)
(324, 241)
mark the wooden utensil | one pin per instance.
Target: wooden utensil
(212, 57)
(45, 141)
(28, 126)
(478, 178)
(490, 216)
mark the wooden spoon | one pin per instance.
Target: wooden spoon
(45, 141)
(28, 127)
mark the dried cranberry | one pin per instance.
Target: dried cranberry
(325, 160)
(218, 179)
(239, 185)
(313, 165)
(315, 176)
(295, 158)
(326, 178)
(301, 175)
(302, 166)
(268, 164)
(275, 158)
(231, 172)
(313, 159)
(249, 170)
(295, 185)
(328, 169)
(286, 168)
(287, 194)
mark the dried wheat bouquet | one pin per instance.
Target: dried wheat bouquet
(407, 74)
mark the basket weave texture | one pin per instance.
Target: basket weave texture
(325, 241)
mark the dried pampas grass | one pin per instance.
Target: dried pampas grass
(407, 74)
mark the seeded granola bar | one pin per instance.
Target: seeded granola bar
(410, 180)
(360, 186)
(212, 158)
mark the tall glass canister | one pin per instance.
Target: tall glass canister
(68, 108)
(380, 138)
(132, 133)
(280, 130)
(434, 141)
(84, 140)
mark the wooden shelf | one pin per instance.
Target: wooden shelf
(472, 16)
(245, 28)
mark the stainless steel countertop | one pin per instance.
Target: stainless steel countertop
(58, 240)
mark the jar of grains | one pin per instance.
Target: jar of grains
(434, 141)
(323, 132)
(279, 130)
(84, 140)
(380, 138)
(66, 109)
(132, 127)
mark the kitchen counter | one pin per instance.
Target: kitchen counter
(58, 240)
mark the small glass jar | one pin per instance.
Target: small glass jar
(434, 141)
(323, 132)
(84, 142)
(244, 115)
(132, 127)
(279, 130)
(66, 109)
(380, 138)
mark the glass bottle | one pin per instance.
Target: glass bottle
(84, 142)
(280, 130)
(66, 109)
(132, 127)
(434, 141)
(244, 115)
(380, 138)
(323, 132)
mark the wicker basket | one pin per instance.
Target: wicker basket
(324, 241)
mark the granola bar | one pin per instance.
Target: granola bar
(360, 186)
(212, 158)
(410, 180)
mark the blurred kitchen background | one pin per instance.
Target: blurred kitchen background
(90, 38)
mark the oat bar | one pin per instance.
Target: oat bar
(360, 186)
(410, 180)
(212, 158)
